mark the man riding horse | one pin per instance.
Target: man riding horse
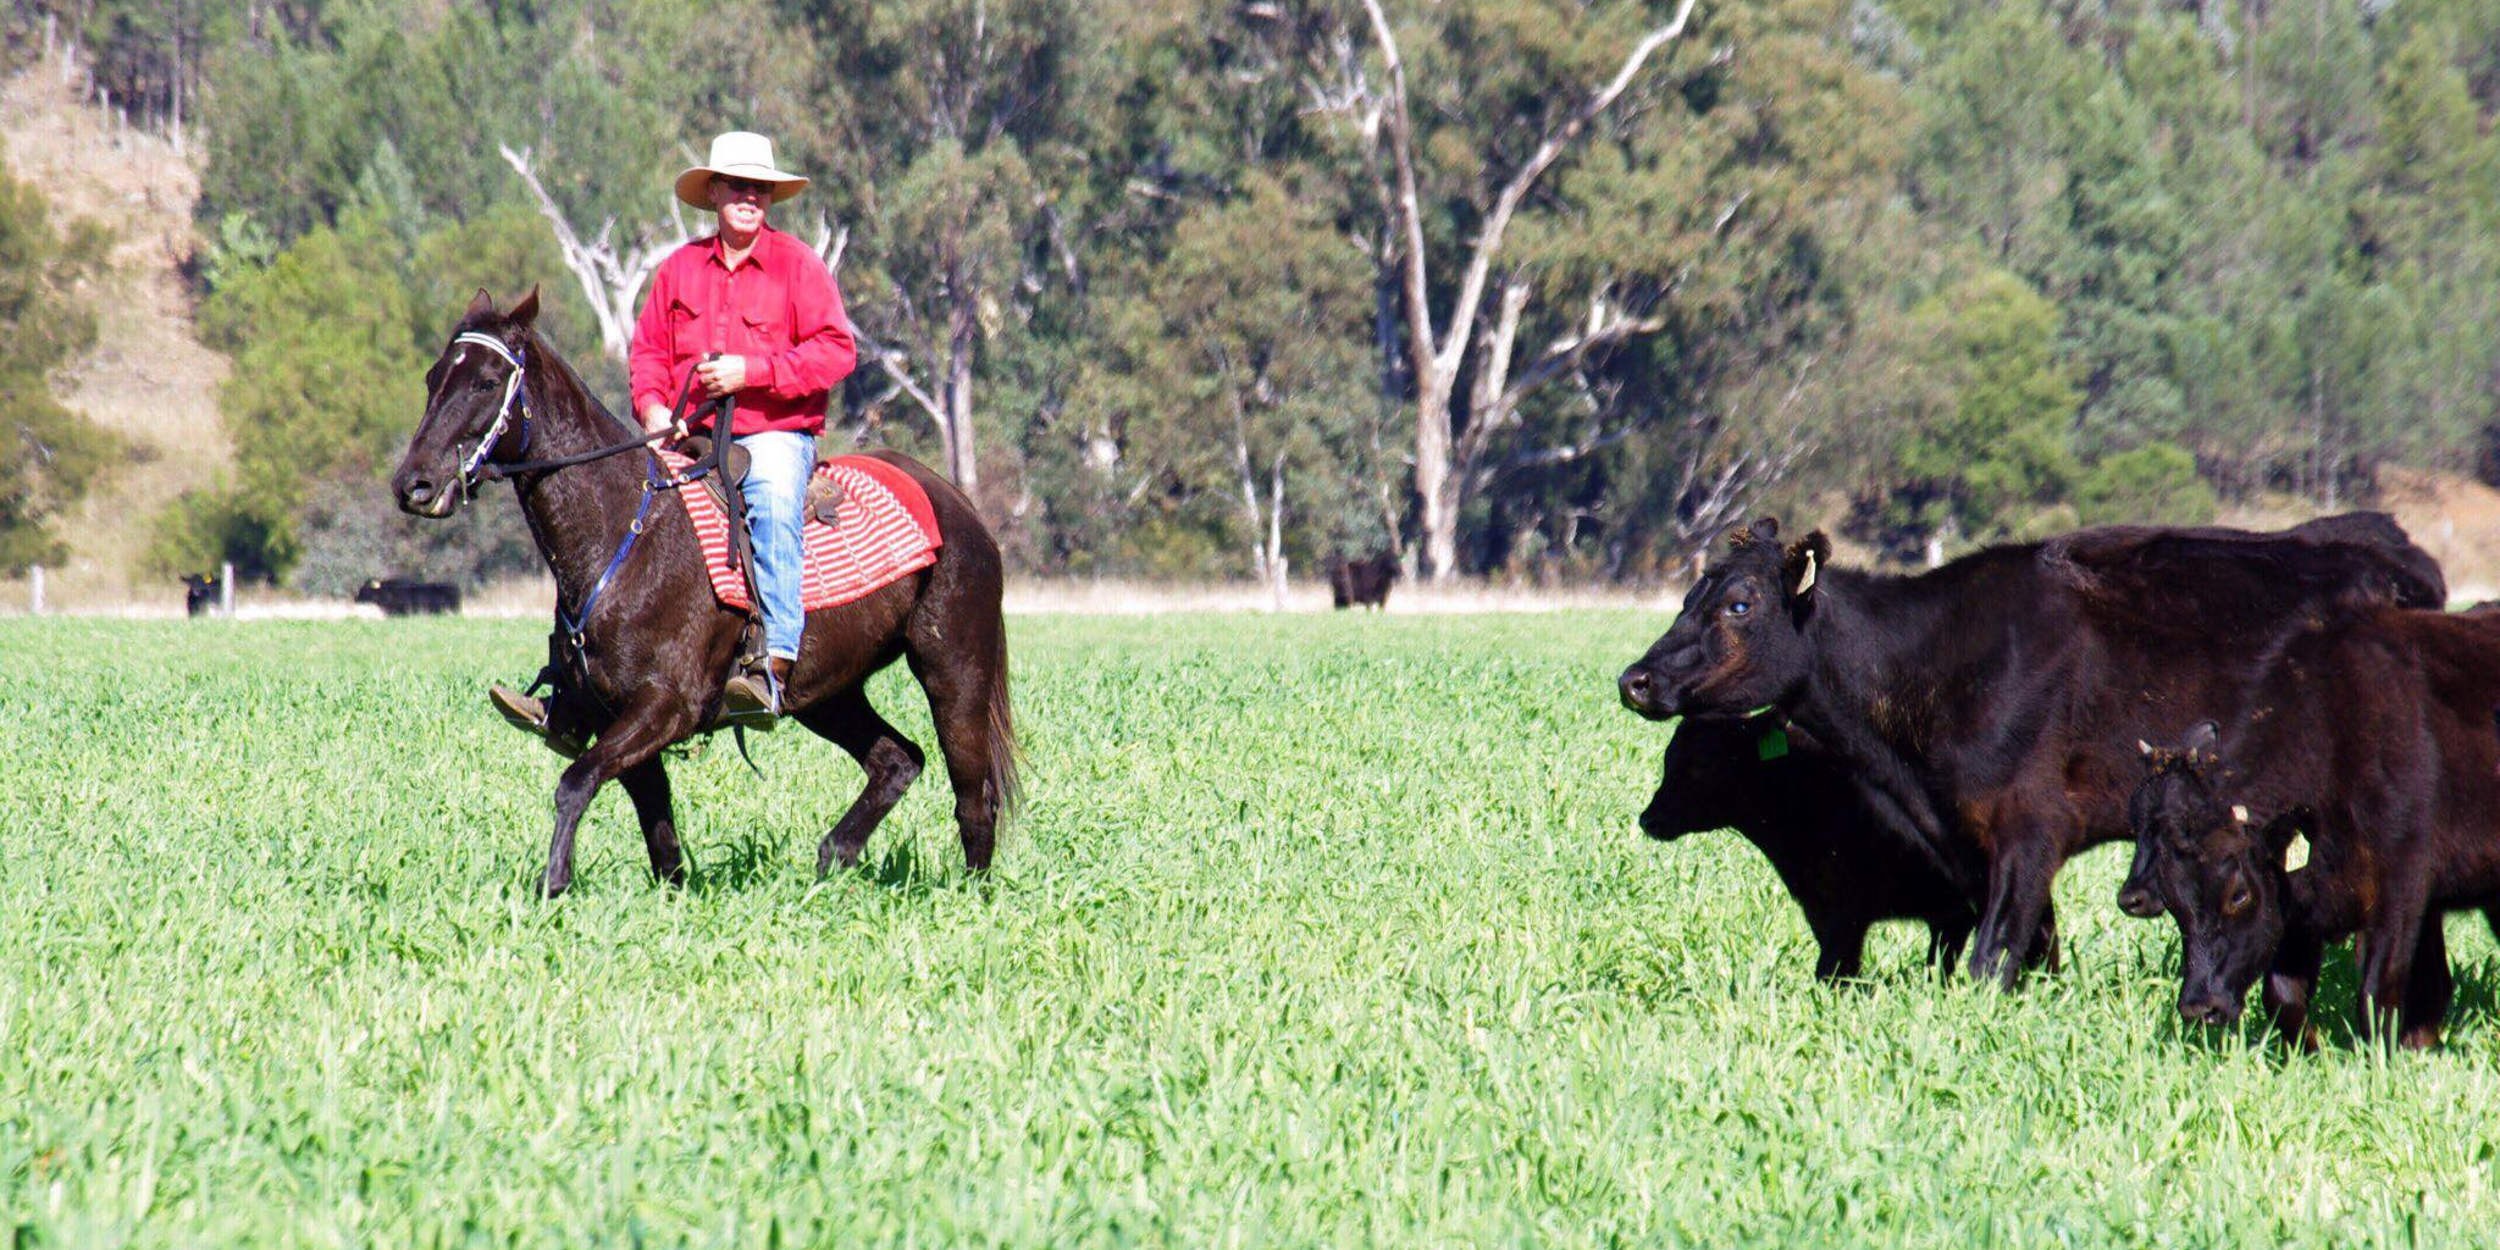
(754, 316)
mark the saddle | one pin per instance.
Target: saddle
(824, 495)
(824, 499)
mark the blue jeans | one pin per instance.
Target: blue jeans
(776, 497)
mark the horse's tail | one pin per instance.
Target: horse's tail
(998, 730)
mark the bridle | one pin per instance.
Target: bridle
(513, 400)
(476, 468)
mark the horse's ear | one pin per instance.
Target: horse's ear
(482, 305)
(525, 313)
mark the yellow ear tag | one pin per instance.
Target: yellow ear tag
(2296, 856)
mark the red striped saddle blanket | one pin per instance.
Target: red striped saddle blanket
(884, 531)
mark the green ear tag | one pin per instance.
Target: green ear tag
(1772, 744)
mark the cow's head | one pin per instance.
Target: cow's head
(465, 405)
(1710, 779)
(1739, 645)
(2218, 872)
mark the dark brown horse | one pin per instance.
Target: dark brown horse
(652, 645)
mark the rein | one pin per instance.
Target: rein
(476, 468)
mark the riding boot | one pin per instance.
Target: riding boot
(753, 698)
(530, 716)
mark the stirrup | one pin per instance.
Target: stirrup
(750, 700)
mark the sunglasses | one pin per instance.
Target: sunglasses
(742, 186)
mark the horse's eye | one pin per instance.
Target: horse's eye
(482, 384)
(1739, 608)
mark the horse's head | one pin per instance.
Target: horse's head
(474, 407)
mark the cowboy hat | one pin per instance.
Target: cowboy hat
(737, 154)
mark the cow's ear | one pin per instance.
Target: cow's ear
(1805, 562)
(525, 313)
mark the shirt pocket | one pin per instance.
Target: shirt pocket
(685, 328)
(767, 332)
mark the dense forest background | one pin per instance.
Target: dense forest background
(1200, 288)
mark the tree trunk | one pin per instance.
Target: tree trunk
(963, 333)
(1436, 356)
(1276, 530)
(1435, 486)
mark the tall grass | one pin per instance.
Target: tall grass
(1319, 930)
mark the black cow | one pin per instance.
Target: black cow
(1778, 788)
(1360, 583)
(1986, 710)
(200, 594)
(2372, 740)
(399, 596)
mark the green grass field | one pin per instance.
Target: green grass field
(1315, 930)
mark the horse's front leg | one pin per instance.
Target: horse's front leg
(629, 745)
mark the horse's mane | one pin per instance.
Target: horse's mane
(549, 363)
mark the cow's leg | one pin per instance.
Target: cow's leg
(891, 761)
(2010, 930)
(647, 783)
(633, 740)
(1946, 939)
(2292, 981)
(1841, 945)
(2386, 956)
(2429, 991)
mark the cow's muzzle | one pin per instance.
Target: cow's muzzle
(1643, 692)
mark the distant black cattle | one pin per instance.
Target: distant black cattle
(1362, 583)
(1986, 711)
(200, 594)
(2372, 740)
(1779, 789)
(398, 596)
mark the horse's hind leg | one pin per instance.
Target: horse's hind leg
(959, 686)
(647, 782)
(891, 761)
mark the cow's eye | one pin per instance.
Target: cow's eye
(1739, 608)
(2237, 900)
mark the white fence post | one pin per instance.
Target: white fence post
(225, 590)
(34, 585)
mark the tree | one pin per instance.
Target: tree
(1238, 371)
(1986, 448)
(54, 454)
(1440, 348)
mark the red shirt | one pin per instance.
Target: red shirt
(778, 309)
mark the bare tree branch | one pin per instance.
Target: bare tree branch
(610, 280)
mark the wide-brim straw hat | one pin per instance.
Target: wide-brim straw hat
(737, 154)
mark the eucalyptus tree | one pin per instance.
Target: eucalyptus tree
(1234, 376)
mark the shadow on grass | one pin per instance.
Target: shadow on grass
(755, 860)
(746, 863)
(2335, 1010)
(906, 871)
